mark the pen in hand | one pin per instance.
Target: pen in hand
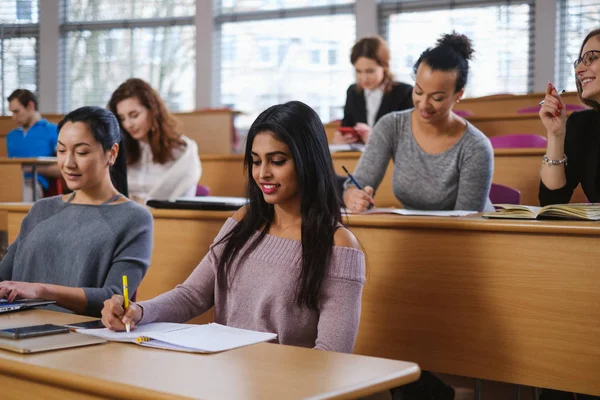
(126, 301)
(355, 183)
(561, 92)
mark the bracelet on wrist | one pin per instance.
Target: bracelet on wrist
(549, 162)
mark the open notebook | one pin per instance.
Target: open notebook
(209, 338)
(573, 211)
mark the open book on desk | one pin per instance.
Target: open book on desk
(208, 338)
(404, 211)
(337, 148)
(573, 211)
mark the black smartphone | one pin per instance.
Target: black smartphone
(33, 331)
(94, 324)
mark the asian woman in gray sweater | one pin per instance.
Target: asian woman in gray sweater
(74, 249)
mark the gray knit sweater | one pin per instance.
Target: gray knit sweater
(86, 246)
(262, 295)
(457, 179)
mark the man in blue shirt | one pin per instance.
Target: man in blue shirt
(34, 137)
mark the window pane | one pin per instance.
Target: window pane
(103, 10)
(500, 36)
(19, 11)
(275, 61)
(578, 19)
(96, 62)
(230, 6)
(18, 66)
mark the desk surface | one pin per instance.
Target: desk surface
(28, 160)
(508, 300)
(123, 370)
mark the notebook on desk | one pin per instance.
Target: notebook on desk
(47, 343)
(208, 338)
(208, 203)
(572, 211)
(20, 305)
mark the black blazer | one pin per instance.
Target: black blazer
(355, 110)
(582, 148)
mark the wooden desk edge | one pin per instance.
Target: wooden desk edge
(385, 382)
(473, 223)
(78, 383)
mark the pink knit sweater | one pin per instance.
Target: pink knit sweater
(262, 296)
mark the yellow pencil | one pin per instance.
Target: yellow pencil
(126, 300)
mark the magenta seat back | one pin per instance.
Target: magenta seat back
(518, 140)
(463, 113)
(202, 190)
(500, 194)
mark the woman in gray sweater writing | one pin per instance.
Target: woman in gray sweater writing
(283, 263)
(75, 248)
(441, 161)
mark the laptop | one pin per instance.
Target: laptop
(47, 343)
(207, 203)
(20, 305)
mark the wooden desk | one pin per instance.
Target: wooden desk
(517, 168)
(211, 129)
(507, 104)
(511, 301)
(128, 371)
(506, 124)
(11, 176)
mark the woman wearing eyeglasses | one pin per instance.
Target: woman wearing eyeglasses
(573, 152)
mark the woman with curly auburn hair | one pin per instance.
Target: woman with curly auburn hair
(161, 163)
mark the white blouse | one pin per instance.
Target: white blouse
(145, 174)
(373, 101)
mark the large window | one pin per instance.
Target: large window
(106, 42)
(500, 32)
(575, 20)
(19, 32)
(269, 57)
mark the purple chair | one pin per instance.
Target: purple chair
(536, 109)
(519, 140)
(500, 194)
(202, 190)
(463, 113)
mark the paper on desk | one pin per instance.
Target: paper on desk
(404, 211)
(186, 337)
(140, 330)
(209, 338)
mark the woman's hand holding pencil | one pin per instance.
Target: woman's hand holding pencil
(358, 199)
(114, 316)
(553, 112)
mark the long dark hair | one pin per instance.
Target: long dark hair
(588, 102)
(300, 128)
(104, 126)
(451, 53)
(163, 136)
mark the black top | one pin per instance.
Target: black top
(582, 148)
(355, 110)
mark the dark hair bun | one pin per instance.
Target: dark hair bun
(460, 43)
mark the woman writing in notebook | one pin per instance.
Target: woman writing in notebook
(375, 92)
(441, 161)
(161, 163)
(573, 153)
(74, 249)
(283, 263)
